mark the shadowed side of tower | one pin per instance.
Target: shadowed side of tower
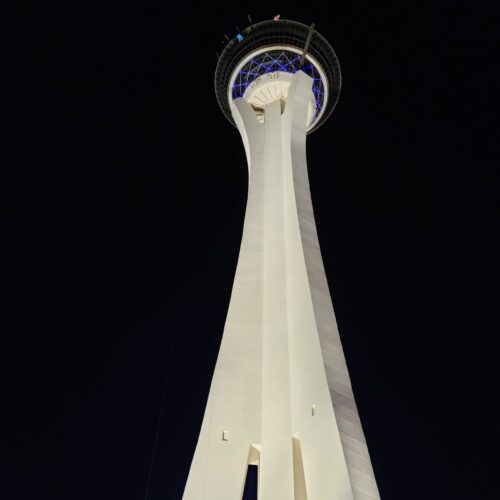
(280, 397)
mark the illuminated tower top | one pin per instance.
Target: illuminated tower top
(258, 63)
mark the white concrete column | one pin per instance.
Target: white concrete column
(313, 418)
(355, 450)
(281, 394)
(277, 451)
(234, 404)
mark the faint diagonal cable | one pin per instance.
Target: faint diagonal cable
(158, 423)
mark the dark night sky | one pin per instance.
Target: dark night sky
(122, 216)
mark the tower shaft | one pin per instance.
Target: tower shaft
(280, 397)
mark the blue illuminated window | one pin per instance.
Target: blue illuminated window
(282, 60)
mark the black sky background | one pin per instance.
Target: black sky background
(122, 215)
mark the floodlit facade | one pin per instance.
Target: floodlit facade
(280, 398)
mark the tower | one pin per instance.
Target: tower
(280, 397)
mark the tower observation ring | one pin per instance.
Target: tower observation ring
(278, 46)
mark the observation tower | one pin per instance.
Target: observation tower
(280, 397)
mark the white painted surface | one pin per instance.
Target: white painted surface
(288, 48)
(280, 354)
(271, 86)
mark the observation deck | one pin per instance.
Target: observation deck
(258, 62)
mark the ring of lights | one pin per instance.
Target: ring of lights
(283, 33)
(283, 48)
